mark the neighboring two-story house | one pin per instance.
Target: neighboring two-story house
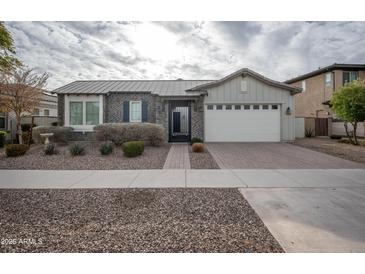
(317, 89)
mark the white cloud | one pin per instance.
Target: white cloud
(192, 50)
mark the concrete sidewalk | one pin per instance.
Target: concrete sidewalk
(180, 178)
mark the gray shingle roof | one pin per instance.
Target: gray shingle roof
(158, 87)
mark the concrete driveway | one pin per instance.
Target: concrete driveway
(273, 156)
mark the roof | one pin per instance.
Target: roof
(246, 71)
(158, 87)
(325, 69)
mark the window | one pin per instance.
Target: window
(328, 78)
(92, 113)
(265, 106)
(303, 86)
(135, 108)
(349, 76)
(237, 107)
(246, 107)
(76, 113)
(2, 121)
(228, 107)
(219, 107)
(46, 112)
(274, 107)
(243, 85)
(36, 111)
(256, 106)
(210, 107)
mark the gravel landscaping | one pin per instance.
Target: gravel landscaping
(203, 160)
(332, 147)
(131, 220)
(152, 158)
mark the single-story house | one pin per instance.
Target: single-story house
(241, 107)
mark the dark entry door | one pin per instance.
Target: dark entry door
(321, 126)
(179, 121)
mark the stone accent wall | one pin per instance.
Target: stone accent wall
(61, 109)
(197, 118)
(114, 106)
(162, 114)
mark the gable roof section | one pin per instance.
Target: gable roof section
(246, 71)
(158, 87)
(325, 69)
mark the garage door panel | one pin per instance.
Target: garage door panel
(242, 125)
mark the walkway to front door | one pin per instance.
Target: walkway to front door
(178, 157)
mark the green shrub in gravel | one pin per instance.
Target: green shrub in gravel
(2, 138)
(15, 150)
(196, 140)
(335, 137)
(50, 149)
(133, 148)
(106, 148)
(77, 149)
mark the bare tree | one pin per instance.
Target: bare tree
(21, 92)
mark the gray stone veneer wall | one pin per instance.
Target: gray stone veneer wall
(114, 106)
(61, 109)
(197, 118)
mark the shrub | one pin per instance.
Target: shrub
(196, 140)
(120, 133)
(26, 127)
(335, 137)
(60, 134)
(15, 150)
(77, 149)
(198, 147)
(2, 138)
(50, 149)
(133, 148)
(309, 132)
(344, 141)
(106, 148)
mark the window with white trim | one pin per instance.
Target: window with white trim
(237, 107)
(46, 112)
(219, 107)
(265, 107)
(92, 113)
(135, 111)
(256, 106)
(209, 107)
(246, 107)
(76, 113)
(349, 76)
(303, 86)
(328, 78)
(228, 107)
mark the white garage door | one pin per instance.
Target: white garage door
(242, 123)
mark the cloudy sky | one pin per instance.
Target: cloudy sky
(71, 51)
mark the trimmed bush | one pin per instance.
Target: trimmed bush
(26, 127)
(106, 148)
(133, 148)
(120, 133)
(196, 140)
(26, 137)
(60, 134)
(77, 149)
(50, 149)
(198, 147)
(336, 137)
(15, 150)
(2, 138)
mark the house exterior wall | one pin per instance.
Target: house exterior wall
(230, 92)
(61, 109)
(114, 105)
(310, 103)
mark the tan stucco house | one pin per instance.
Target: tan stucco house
(317, 89)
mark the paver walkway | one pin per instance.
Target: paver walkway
(178, 157)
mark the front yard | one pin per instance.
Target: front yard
(131, 220)
(152, 158)
(333, 147)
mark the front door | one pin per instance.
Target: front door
(179, 121)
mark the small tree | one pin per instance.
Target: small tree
(349, 105)
(20, 91)
(8, 61)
